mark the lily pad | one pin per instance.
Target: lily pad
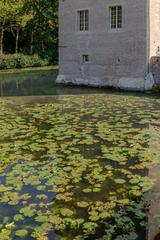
(119, 181)
(66, 212)
(82, 204)
(21, 233)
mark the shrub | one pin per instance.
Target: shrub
(21, 61)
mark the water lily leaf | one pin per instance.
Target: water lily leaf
(104, 215)
(27, 211)
(13, 202)
(55, 219)
(90, 227)
(4, 199)
(82, 204)
(64, 197)
(96, 189)
(119, 181)
(41, 196)
(4, 188)
(41, 188)
(87, 190)
(21, 233)
(66, 212)
(18, 217)
(41, 230)
(42, 219)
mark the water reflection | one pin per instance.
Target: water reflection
(27, 83)
(36, 83)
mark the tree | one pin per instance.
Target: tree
(4, 19)
(43, 27)
(18, 20)
(33, 24)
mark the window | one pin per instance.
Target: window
(85, 58)
(83, 20)
(116, 17)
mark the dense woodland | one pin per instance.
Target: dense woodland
(29, 27)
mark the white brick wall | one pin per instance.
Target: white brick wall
(113, 54)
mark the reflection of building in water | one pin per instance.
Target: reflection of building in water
(154, 173)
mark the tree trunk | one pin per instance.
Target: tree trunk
(42, 44)
(1, 41)
(31, 44)
(2, 36)
(17, 40)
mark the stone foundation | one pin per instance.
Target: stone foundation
(155, 68)
(124, 83)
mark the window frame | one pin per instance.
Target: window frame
(116, 17)
(83, 20)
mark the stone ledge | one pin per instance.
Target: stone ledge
(124, 83)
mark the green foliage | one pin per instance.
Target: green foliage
(33, 27)
(21, 61)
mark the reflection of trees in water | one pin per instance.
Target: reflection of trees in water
(1, 84)
(8, 87)
(26, 83)
(38, 83)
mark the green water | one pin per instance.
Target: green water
(36, 83)
(78, 166)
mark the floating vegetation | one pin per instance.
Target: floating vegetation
(78, 168)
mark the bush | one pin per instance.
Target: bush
(21, 61)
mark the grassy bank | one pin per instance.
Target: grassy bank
(30, 69)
